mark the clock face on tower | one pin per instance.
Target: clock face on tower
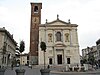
(35, 20)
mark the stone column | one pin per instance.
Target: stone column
(65, 56)
(70, 37)
(55, 57)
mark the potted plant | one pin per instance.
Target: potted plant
(44, 71)
(2, 70)
(21, 49)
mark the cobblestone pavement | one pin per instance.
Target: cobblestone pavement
(95, 72)
(28, 71)
(36, 71)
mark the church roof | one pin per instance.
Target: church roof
(58, 20)
(58, 23)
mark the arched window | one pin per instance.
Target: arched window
(58, 36)
(66, 37)
(36, 9)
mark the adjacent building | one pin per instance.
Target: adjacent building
(87, 52)
(22, 59)
(7, 47)
(61, 39)
(98, 51)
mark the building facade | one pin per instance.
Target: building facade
(34, 31)
(7, 47)
(62, 42)
(98, 51)
(87, 52)
(60, 37)
(22, 59)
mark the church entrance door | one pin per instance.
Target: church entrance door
(59, 59)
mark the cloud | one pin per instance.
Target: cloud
(15, 16)
(3, 12)
(17, 23)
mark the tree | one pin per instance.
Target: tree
(91, 59)
(84, 60)
(43, 48)
(21, 48)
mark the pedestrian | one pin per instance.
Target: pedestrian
(97, 66)
(48, 66)
(12, 66)
(94, 67)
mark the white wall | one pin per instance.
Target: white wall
(72, 46)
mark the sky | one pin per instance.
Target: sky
(15, 17)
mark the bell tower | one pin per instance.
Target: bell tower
(34, 32)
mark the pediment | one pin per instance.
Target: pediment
(57, 22)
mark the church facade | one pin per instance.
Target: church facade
(61, 40)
